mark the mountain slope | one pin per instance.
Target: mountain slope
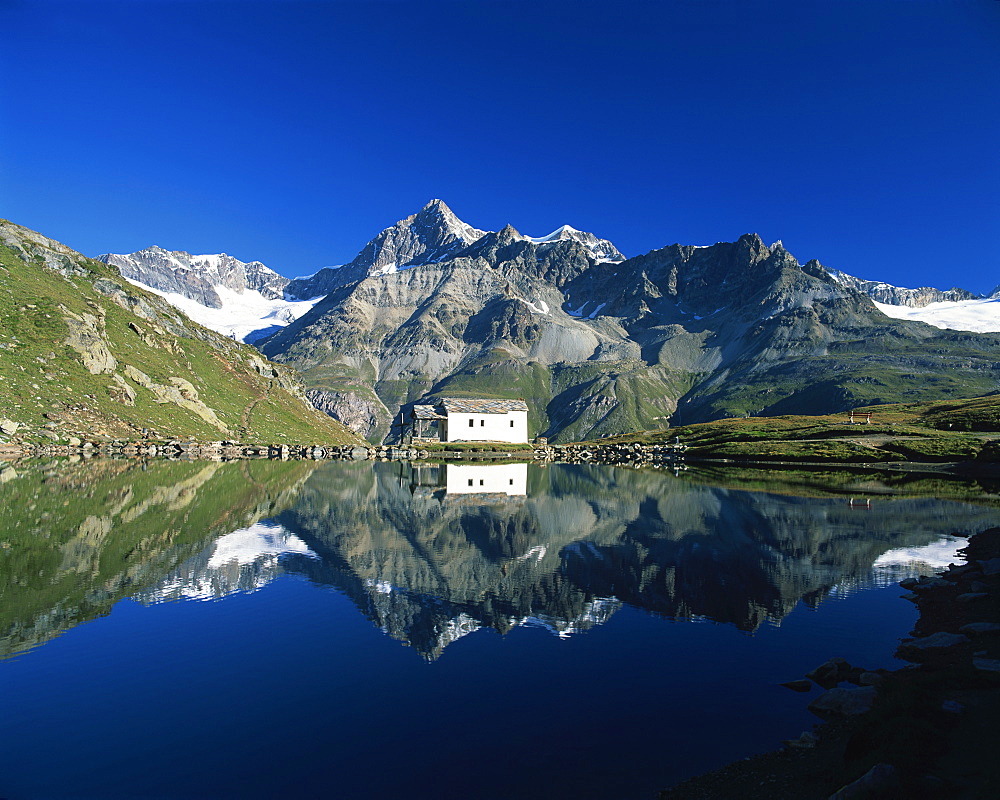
(598, 347)
(84, 352)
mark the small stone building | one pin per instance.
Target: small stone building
(469, 420)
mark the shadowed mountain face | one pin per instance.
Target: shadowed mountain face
(428, 559)
(600, 345)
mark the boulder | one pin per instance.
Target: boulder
(987, 664)
(9, 427)
(991, 566)
(844, 702)
(976, 628)
(831, 673)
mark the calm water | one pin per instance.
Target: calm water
(262, 629)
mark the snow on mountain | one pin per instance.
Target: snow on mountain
(601, 248)
(196, 276)
(953, 309)
(244, 300)
(247, 316)
(981, 315)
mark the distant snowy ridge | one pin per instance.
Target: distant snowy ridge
(882, 292)
(242, 300)
(196, 276)
(980, 316)
(952, 309)
(601, 248)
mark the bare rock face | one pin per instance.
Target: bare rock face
(431, 235)
(121, 391)
(180, 392)
(361, 414)
(86, 336)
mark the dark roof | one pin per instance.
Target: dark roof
(427, 412)
(464, 405)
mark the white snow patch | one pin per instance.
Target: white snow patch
(980, 316)
(554, 235)
(381, 587)
(241, 314)
(936, 555)
(578, 312)
(596, 311)
(541, 308)
(260, 542)
(537, 552)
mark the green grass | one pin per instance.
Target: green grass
(898, 432)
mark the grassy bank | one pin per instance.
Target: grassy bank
(956, 431)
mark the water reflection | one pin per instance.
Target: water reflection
(242, 561)
(77, 538)
(429, 566)
(432, 553)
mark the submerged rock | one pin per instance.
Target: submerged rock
(936, 641)
(844, 702)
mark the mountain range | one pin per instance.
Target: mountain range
(596, 343)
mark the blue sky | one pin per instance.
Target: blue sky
(864, 134)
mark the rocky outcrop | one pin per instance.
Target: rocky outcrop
(86, 336)
(360, 413)
(180, 392)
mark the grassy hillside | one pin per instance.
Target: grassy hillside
(85, 353)
(959, 430)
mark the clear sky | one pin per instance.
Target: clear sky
(864, 134)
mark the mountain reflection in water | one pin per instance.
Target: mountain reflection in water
(431, 553)
(429, 559)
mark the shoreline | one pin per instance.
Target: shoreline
(926, 730)
(632, 455)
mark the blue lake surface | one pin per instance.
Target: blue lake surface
(354, 630)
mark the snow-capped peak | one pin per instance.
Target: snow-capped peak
(562, 232)
(601, 248)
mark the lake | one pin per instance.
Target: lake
(341, 630)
